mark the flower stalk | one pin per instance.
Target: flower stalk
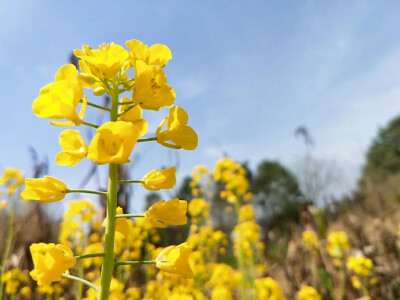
(108, 262)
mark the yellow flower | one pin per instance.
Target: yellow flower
(104, 62)
(198, 206)
(122, 225)
(134, 115)
(175, 260)
(59, 99)
(155, 55)
(246, 213)
(198, 173)
(308, 293)
(156, 180)
(164, 213)
(3, 204)
(113, 143)
(355, 281)
(50, 261)
(151, 90)
(360, 265)
(221, 292)
(73, 146)
(310, 240)
(337, 244)
(12, 176)
(181, 135)
(47, 189)
(268, 288)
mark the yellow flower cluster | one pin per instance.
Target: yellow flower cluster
(337, 244)
(13, 179)
(360, 265)
(308, 293)
(268, 288)
(13, 279)
(310, 240)
(234, 176)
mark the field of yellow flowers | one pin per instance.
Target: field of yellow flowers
(116, 255)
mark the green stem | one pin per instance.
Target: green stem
(80, 284)
(98, 106)
(130, 181)
(147, 140)
(90, 124)
(90, 255)
(129, 216)
(125, 103)
(86, 192)
(8, 244)
(88, 283)
(342, 280)
(139, 262)
(108, 262)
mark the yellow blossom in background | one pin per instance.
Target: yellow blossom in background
(164, 213)
(198, 206)
(82, 208)
(133, 115)
(122, 225)
(50, 262)
(155, 55)
(13, 279)
(175, 260)
(73, 146)
(246, 213)
(113, 143)
(308, 293)
(151, 90)
(360, 265)
(181, 135)
(91, 249)
(163, 179)
(59, 100)
(337, 244)
(268, 288)
(221, 292)
(3, 204)
(310, 240)
(355, 281)
(13, 179)
(104, 62)
(47, 189)
(198, 173)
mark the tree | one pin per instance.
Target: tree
(383, 156)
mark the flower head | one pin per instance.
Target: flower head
(59, 99)
(156, 180)
(151, 90)
(164, 213)
(155, 55)
(337, 244)
(310, 240)
(268, 288)
(50, 261)
(113, 143)
(175, 260)
(73, 148)
(308, 293)
(47, 189)
(104, 62)
(360, 265)
(181, 135)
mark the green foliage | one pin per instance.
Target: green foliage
(383, 156)
(277, 192)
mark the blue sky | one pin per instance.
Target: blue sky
(247, 72)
